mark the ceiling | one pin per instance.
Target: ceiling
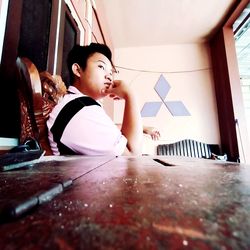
(133, 23)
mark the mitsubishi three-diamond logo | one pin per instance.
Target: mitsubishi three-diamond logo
(176, 108)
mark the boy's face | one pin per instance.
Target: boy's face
(97, 76)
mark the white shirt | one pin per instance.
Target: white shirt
(89, 132)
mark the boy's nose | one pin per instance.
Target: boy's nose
(109, 77)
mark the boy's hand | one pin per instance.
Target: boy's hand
(118, 90)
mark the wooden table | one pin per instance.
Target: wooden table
(129, 203)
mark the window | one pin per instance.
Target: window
(34, 32)
(241, 29)
(71, 37)
(97, 35)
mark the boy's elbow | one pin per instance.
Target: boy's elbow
(135, 151)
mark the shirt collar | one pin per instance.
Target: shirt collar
(75, 90)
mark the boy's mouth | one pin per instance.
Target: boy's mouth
(107, 84)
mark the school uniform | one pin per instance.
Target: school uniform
(79, 125)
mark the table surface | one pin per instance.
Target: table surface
(129, 203)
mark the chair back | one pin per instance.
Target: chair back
(187, 147)
(32, 105)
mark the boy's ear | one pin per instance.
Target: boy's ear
(76, 69)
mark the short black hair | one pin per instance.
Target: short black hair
(80, 54)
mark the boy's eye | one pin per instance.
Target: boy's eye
(101, 67)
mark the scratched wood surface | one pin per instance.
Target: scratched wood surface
(17, 185)
(139, 203)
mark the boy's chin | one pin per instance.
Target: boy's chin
(102, 95)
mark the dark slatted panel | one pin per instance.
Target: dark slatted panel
(190, 148)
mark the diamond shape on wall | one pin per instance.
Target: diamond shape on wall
(162, 87)
(150, 109)
(177, 108)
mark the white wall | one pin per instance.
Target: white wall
(187, 69)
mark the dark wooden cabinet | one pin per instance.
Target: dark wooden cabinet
(43, 31)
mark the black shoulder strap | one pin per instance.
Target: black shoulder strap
(64, 117)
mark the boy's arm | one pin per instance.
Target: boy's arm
(131, 126)
(151, 131)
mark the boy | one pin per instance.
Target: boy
(78, 124)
